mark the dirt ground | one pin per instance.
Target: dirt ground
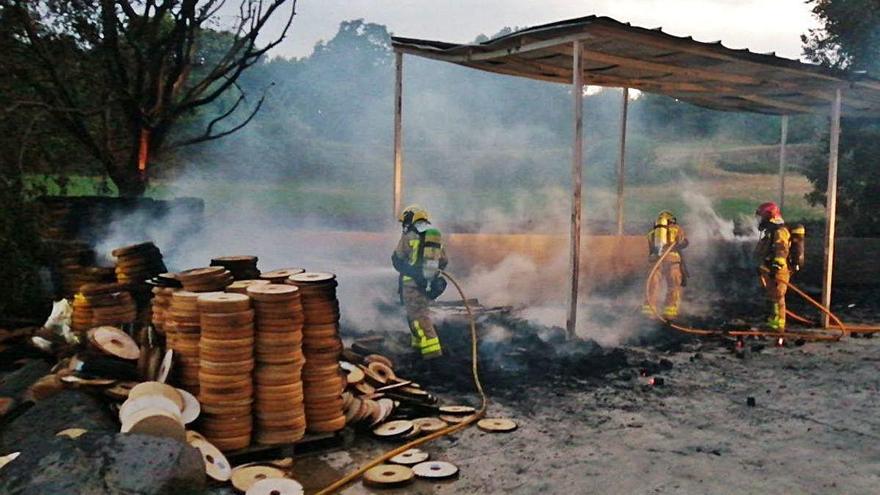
(814, 429)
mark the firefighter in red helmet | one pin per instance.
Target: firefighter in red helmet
(772, 256)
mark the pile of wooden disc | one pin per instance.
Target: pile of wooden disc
(157, 409)
(281, 275)
(182, 327)
(160, 305)
(207, 279)
(241, 286)
(74, 277)
(241, 267)
(138, 262)
(102, 304)
(226, 364)
(323, 380)
(279, 409)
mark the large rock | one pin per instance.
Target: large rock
(16, 383)
(67, 409)
(105, 463)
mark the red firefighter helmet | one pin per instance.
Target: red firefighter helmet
(768, 211)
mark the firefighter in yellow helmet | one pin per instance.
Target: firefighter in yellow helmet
(418, 259)
(665, 234)
(772, 256)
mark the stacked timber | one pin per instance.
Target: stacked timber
(279, 408)
(182, 326)
(323, 380)
(281, 275)
(226, 364)
(241, 267)
(241, 286)
(138, 262)
(102, 304)
(207, 279)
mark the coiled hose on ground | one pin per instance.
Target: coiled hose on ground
(484, 402)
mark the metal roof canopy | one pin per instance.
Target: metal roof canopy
(601, 51)
(620, 55)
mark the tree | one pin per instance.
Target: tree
(849, 39)
(118, 75)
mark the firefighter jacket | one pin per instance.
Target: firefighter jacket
(662, 236)
(773, 247)
(420, 254)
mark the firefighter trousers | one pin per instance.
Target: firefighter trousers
(670, 273)
(419, 317)
(775, 289)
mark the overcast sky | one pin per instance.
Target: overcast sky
(760, 25)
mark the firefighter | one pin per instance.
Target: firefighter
(418, 259)
(772, 256)
(667, 232)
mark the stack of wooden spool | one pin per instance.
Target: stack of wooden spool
(226, 367)
(161, 304)
(138, 262)
(208, 279)
(323, 380)
(241, 267)
(280, 275)
(102, 304)
(279, 409)
(74, 277)
(241, 286)
(157, 409)
(182, 333)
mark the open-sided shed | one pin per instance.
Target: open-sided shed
(601, 51)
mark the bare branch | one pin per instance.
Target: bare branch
(207, 136)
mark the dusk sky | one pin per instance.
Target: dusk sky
(760, 25)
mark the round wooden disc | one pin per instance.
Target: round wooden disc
(388, 475)
(191, 407)
(387, 406)
(282, 273)
(165, 367)
(276, 486)
(243, 477)
(435, 470)
(371, 358)
(311, 277)
(157, 388)
(197, 274)
(430, 425)
(272, 292)
(496, 425)
(453, 419)
(463, 410)
(383, 371)
(135, 405)
(224, 302)
(154, 422)
(393, 428)
(410, 457)
(216, 465)
(353, 374)
(115, 342)
(71, 433)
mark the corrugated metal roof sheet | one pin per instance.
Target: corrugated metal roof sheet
(620, 55)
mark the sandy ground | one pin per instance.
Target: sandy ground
(815, 429)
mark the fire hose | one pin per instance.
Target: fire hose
(354, 475)
(849, 327)
(807, 336)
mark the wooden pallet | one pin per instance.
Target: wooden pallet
(312, 443)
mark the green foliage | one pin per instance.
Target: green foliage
(849, 39)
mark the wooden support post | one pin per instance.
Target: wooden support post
(783, 139)
(577, 158)
(621, 163)
(398, 133)
(831, 206)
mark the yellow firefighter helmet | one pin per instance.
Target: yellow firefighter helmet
(666, 217)
(412, 214)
